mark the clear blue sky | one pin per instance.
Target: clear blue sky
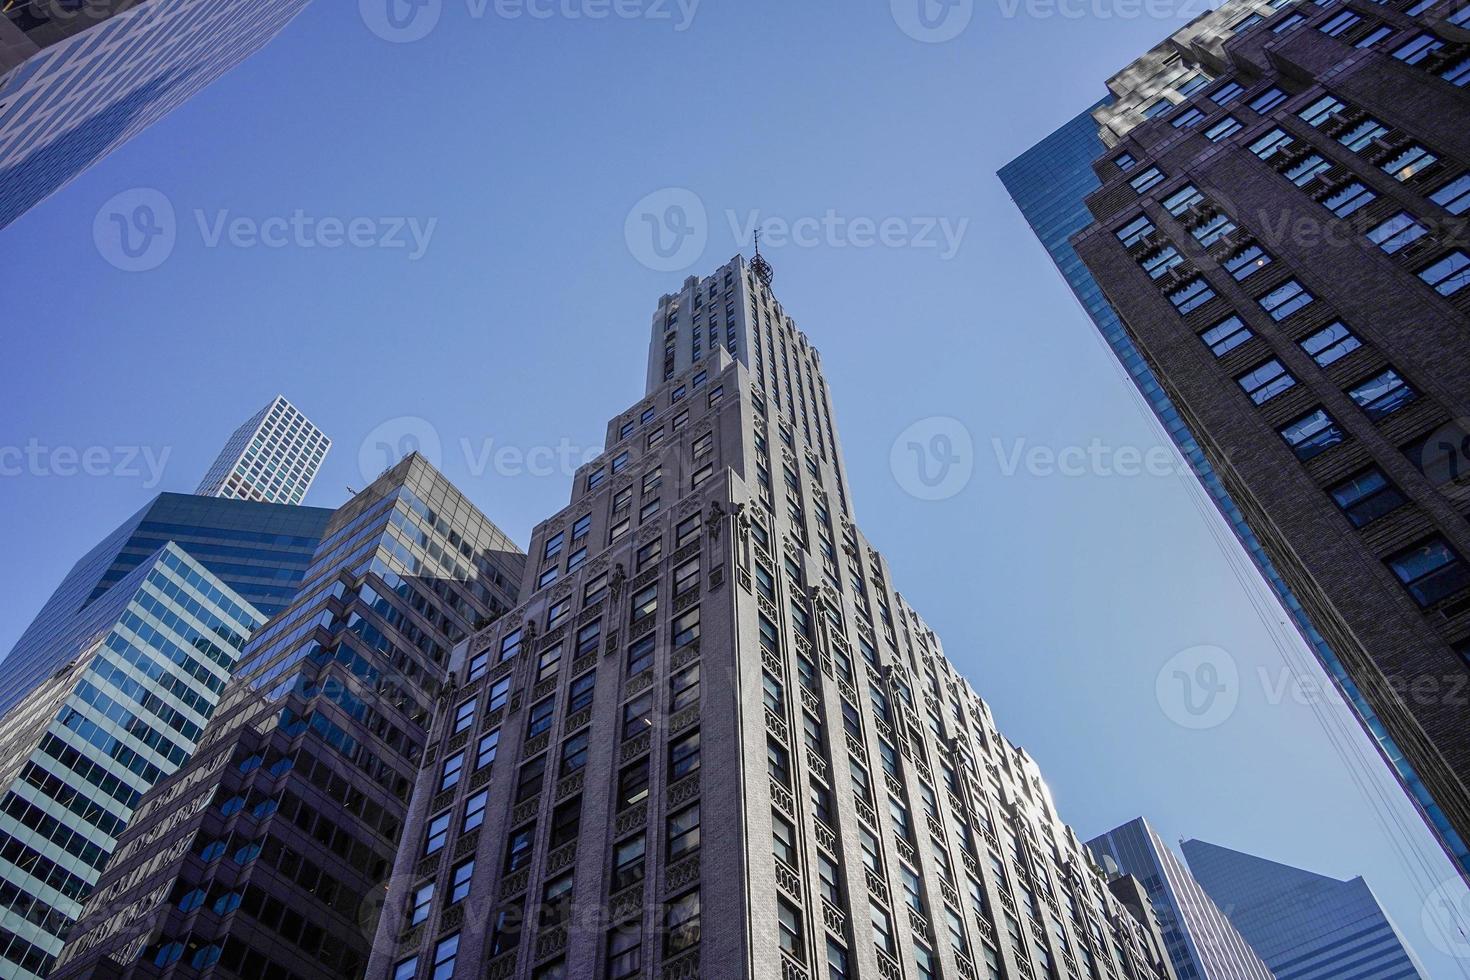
(525, 322)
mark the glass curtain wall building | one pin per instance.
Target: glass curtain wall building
(273, 457)
(140, 677)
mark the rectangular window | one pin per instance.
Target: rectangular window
(686, 531)
(437, 834)
(1366, 496)
(1431, 571)
(625, 951)
(1265, 381)
(1227, 93)
(538, 720)
(1134, 231)
(566, 823)
(1320, 111)
(628, 862)
(589, 638)
(1268, 145)
(446, 952)
(683, 833)
(681, 924)
(1409, 162)
(1361, 135)
(1226, 335)
(1312, 434)
(453, 769)
(1397, 232)
(1156, 264)
(789, 934)
(1285, 300)
(474, 811)
(464, 716)
(460, 881)
(1157, 108)
(684, 688)
(574, 753)
(510, 644)
(518, 848)
(1449, 275)
(1383, 394)
(1441, 455)
(1188, 118)
(1304, 171)
(1348, 198)
(684, 756)
(419, 905)
(486, 748)
(1125, 161)
(1330, 344)
(1182, 200)
(1289, 23)
(1246, 262)
(784, 840)
(1151, 177)
(530, 778)
(685, 628)
(1191, 296)
(1454, 197)
(633, 784)
(1223, 129)
(1417, 48)
(637, 716)
(1212, 229)
(640, 654)
(644, 604)
(1339, 24)
(1268, 100)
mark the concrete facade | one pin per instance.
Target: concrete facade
(721, 744)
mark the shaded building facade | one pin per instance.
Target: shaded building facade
(272, 457)
(1305, 926)
(1201, 941)
(712, 740)
(1276, 228)
(260, 551)
(141, 674)
(267, 853)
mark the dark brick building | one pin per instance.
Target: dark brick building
(266, 855)
(1281, 228)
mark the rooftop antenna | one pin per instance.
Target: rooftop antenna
(760, 266)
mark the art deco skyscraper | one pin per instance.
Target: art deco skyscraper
(1202, 943)
(1305, 926)
(265, 855)
(77, 80)
(712, 740)
(272, 457)
(1274, 224)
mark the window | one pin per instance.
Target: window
(1312, 434)
(557, 613)
(1285, 300)
(403, 970)
(553, 545)
(1417, 48)
(700, 475)
(1441, 455)
(1227, 93)
(566, 823)
(1265, 381)
(1431, 570)
(1192, 84)
(1226, 127)
(648, 554)
(684, 688)
(1338, 24)
(574, 753)
(1306, 170)
(640, 654)
(625, 951)
(716, 394)
(486, 748)
(622, 499)
(1157, 108)
(1348, 198)
(1151, 177)
(510, 644)
(1182, 200)
(637, 716)
(1363, 134)
(628, 862)
(1226, 335)
(683, 832)
(1330, 344)
(686, 577)
(453, 769)
(685, 628)
(506, 934)
(1449, 275)
(1189, 117)
(684, 756)
(595, 479)
(686, 531)
(618, 530)
(778, 763)
(518, 848)
(589, 638)
(1134, 231)
(633, 784)
(530, 778)
(1125, 161)
(419, 905)
(924, 963)
(539, 718)
(1244, 263)
(1409, 162)
(1454, 197)
(581, 527)
(681, 922)
(1366, 496)
(437, 833)
(1383, 394)
(1268, 100)
(474, 811)
(913, 890)
(702, 445)
(1191, 296)
(445, 953)
(1212, 229)
(1266, 146)
(460, 880)
(784, 840)
(1156, 264)
(1398, 231)
(548, 663)
(1320, 111)
(882, 929)
(1374, 36)
(1290, 23)
(788, 928)
(464, 716)
(837, 962)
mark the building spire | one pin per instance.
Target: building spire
(759, 265)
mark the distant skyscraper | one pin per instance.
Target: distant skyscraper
(261, 551)
(77, 80)
(1305, 926)
(273, 457)
(141, 673)
(711, 653)
(1201, 941)
(1249, 176)
(267, 854)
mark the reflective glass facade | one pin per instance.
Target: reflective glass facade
(143, 672)
(273, 457)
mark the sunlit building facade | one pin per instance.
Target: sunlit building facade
(273, 457)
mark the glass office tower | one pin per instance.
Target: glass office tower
(273, 457)
(141, 674)
(1201, 941)
(261, 551)
(1305, 926)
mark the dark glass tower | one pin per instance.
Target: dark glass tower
(1219, 216)
(259, 550)
(267, 854)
